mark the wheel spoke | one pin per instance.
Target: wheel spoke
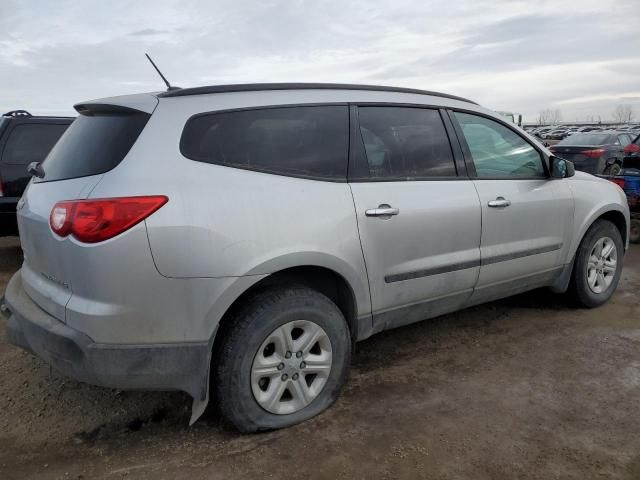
(600, 282)
(282, 339)
(610, 267)
(318, 363)
(308, 339)
(597, 248)
(300, 392)
(592, 278)
(274, 393)
(607, 249)
(266, 371)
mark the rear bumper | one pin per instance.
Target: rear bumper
(181, 366)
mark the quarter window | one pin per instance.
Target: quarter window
(297, 141)
(405, 143)
(497, 151)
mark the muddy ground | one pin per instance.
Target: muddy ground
(522, 388)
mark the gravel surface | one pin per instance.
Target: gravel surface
(521, 388)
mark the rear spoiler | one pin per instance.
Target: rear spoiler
(91, 109)
(124, 104)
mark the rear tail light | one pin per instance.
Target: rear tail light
(92, 221)
(632, 148)
(598, 152)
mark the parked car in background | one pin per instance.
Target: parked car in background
(594, 152)
(589, 129)
(24, 138)
(244, 237)
(557, 134)
(633, 148)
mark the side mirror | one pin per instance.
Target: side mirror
(561, 168)
(35, 170)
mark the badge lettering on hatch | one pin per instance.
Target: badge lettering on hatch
(55, 280)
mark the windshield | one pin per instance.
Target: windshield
(579, 139)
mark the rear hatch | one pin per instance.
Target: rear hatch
(96, 142)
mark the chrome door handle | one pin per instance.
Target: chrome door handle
(499, 202)
(383, 210)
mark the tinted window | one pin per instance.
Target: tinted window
(408, 143)
(587, 139)
(31, 143)
(298, 141)
(497, 151)
(93, 144)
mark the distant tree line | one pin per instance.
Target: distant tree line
(623, 113)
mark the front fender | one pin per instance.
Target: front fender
(593, 198)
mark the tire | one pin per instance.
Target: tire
(634, 234)
(255, 335)
(612, 170)
(587, 295)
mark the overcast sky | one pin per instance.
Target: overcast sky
(582, 57)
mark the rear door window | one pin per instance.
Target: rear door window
(306, 141)
(31, 142)
(405, 143)
(93, 144)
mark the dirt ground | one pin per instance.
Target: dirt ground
(522, 388)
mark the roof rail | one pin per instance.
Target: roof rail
(250, 87)
(17, 113)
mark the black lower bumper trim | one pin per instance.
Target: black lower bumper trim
(180, 366)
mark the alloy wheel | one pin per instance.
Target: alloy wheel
(291, 367)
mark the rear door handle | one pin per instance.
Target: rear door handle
(499, 202)
(383, 210)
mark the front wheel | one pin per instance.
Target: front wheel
(598, 264)
(283, 360)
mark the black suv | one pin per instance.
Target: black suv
(24, 138)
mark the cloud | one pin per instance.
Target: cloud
(149, 31)
(508, 55)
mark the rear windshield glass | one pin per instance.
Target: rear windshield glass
(580, 139)
(92, 145)
(296, 141)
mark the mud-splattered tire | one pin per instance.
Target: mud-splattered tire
(284, 358)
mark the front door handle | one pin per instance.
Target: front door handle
(383, 210)
(499, 202)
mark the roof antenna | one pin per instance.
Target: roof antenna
(169, 86)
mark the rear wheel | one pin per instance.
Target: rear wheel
(613, 169)
(283, 360)
(598, 264)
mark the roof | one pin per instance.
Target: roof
(251, 87)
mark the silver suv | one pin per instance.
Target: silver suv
(244, 237)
